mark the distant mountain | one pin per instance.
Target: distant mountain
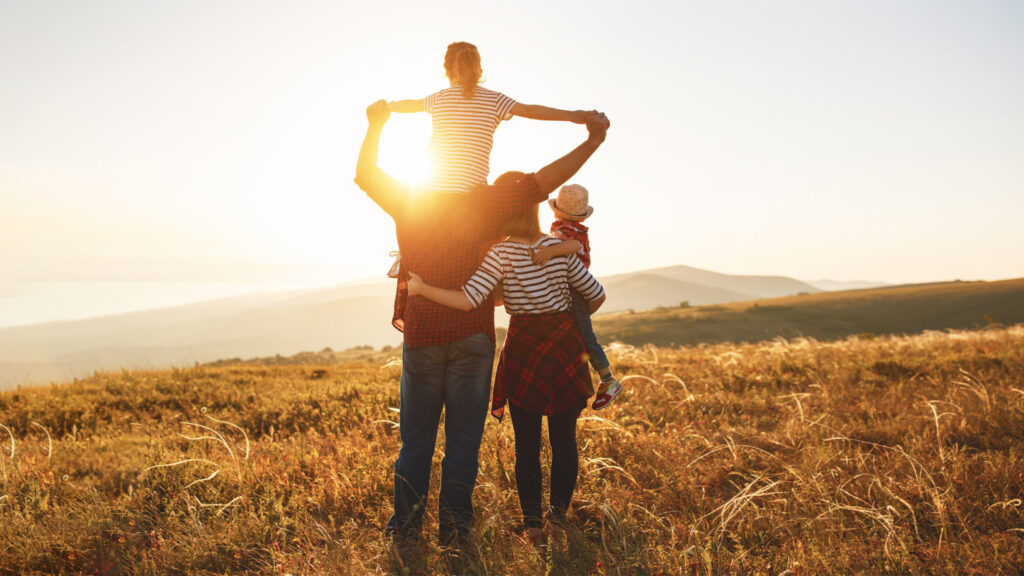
(734, 287)
(257, 325)
(835, 285)
(286, 323)
(640, 291)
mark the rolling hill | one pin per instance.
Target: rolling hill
(825, 316)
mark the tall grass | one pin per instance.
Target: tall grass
(896, 455)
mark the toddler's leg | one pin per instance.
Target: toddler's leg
(526, 426)
(581, 313)
(564, 461)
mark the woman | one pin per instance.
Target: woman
(543, 366)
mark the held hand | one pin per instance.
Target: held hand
(414, 284)
(378, 112)
(542, 255)
(597, 125)
(580, 116)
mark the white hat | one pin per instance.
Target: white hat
(572, 203)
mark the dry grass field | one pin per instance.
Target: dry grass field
(886, 455)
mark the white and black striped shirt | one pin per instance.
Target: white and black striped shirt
(528, 288)
(463, 133)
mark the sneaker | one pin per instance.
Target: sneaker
(393, 272)
(605, 398)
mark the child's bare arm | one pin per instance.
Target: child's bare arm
(406, 106)
(456, 299)
(538, 112)
(545, 253)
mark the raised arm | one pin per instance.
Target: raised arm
(558, 172)
(564, 248)
(406, 106)
(387, 192)
(538, 112)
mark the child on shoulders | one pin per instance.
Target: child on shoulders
(464, 118)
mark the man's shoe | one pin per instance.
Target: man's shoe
(408, 552)
(459, 554)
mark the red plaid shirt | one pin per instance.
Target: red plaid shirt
(443, 238)
(543, 366)
(569, 230)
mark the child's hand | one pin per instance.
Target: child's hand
(414, 284)
(542, 255)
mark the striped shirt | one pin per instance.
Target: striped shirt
(529, 288)
(463, 133)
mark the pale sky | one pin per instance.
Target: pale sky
(161, 152)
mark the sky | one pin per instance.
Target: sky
(154, 153)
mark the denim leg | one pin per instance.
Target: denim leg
(422, 396)
(581, 312)
(467, 387)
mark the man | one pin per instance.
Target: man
(447, 355)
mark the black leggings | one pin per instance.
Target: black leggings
(564, 462)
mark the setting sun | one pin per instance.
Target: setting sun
(403, 148)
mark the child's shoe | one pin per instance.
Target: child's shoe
(606, 393)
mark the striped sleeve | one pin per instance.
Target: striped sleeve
(582, 280)
(503, 107)
(485, 279)
(429, 102)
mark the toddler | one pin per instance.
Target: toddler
(571, 208)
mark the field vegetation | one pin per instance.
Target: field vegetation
(881, 455)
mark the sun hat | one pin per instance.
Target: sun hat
(572, 203)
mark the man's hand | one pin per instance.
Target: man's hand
(378, 113)
(597, 126)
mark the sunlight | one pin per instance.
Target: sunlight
(403, 148)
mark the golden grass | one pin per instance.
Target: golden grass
(893, 455)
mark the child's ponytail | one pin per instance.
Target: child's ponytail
(462, 64)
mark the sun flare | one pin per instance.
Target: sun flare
(403, 149)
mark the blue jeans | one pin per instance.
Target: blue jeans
(581, 312)
(455, 378)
